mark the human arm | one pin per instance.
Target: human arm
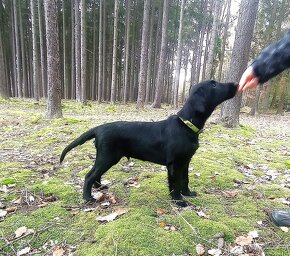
(272, 61)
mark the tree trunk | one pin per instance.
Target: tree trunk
(150, 52)
(83, 53)
(34, 51)
(3, 81)
(100, 63)
(78, 51)
(73, 59)
(127, 47)
(17, 51)
(283, 94)
(22, 43)
(178, 58)
(53, 60)
(144, 55)
(65, 62)
(254, 108)
(239, 60)
(42, 51)
(224, 41)
(216, 22)
(114, 64)
(162, 58)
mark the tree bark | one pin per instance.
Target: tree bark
(178, 58)
(100, 63)
(34, 51)
(162, 58)
(114, 64)
(3, 81)
(17, 51)
(127, 47)
(216, 22)
(83, 53)
(144, 55)
(239, 60)
(53, 61)
(78, 51)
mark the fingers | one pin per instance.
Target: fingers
(248, 80)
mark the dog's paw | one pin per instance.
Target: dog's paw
(89, 199)
(181, 203)
(190, 194)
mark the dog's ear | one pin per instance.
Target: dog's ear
(200, 106)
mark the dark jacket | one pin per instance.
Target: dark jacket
(273, 59)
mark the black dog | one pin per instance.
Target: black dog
(171, 142)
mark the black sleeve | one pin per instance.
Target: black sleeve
(273, 59)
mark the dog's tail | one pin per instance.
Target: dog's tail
(90, 134)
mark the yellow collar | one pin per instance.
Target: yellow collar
(190, 125)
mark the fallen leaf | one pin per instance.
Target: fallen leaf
(11, 209)
(161, 211)
(42, 205)
(285, 229)
(51, 198)
(200, 250)
(31, 199)
(202, 214)
(23, 251)
(121, 211)
(20, 231)
(3, 213)
(108, 218)
(17, 201)
(230, 193)
(214, 252)
(242, 240)
(253, 234)
(99, 196)
(112, 198)
(162, 224)
(173, 228)
(57, 251)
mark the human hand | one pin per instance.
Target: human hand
(248, 80)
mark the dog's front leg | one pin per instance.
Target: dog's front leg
(175, 185)
(185, 181)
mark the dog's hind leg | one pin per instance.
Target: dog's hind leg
(101, 165)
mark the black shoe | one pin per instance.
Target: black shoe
(281, 218)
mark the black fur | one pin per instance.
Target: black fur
(169, 142)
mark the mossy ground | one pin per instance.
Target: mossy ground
(29, 151)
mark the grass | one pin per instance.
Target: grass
(30, 147)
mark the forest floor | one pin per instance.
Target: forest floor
(240, 175)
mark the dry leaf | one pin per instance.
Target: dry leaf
(285, 229)
(99, 196)
(3, 213)
(200, 250)
(31, 199)
(202, 214)
(11, 209)
(23, 251)
(214, 252)
(20, 231)
(162, 224)
(253, 234)
(161, 211)
(121, 211)
(173, 228)
(108, 218)
(42, 205)
(230, 193)
(17, 201)
(57, 251)
(242, 240)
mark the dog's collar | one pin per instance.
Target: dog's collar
(190, 125)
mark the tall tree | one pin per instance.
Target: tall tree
(17, 51)
(100, 63)
(3, 82)
(78, 50)
(34, 51)
(53, 60)
(127, 47)
(178, 58)
(214, 32)
(162, 58)
(144, 55)
(83, 52)
(239, 60)
(42, 49)
(114, 64)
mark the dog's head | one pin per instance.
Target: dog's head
(206, 96)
